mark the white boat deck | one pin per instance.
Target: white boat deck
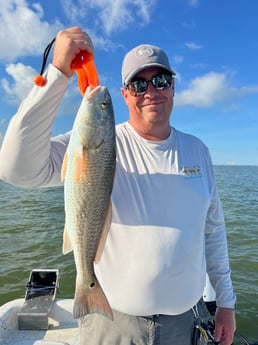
(63, 328)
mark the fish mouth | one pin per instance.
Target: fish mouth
(91, 92)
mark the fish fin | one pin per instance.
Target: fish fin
(91, 300)
(104, 233)
(67, 244)
(64, 167)
(84, 160)
(80, 164)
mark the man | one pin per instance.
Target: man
(167, 225)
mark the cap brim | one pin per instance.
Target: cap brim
(133, 74)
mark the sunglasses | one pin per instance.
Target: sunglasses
(139, 86)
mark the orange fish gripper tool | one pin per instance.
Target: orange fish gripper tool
(83, 64)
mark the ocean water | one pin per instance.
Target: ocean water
(31, 228)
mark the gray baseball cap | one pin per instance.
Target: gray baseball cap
(142, 57)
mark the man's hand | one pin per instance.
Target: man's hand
(68, 44)
(225, 326)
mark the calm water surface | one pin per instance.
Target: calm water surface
(31, 228)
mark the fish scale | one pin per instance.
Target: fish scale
(88, 172)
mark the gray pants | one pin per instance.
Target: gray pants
(137, 330)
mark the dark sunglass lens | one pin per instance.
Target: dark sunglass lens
(140, 86)
(133, 88)
(161, 81)
(168, 79)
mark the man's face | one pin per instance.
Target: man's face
(154, 106)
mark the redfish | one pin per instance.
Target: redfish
(88, 171)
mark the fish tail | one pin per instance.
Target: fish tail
(91, 300)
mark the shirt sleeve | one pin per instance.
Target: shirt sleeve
(217, 258)
(31, 158)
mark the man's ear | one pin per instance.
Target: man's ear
(173, 86)
(124, 94)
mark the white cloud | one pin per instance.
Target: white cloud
(23, 77)
(211, 89)
(177, 59)
(193, 3)
(25, 31)
(203, 91)
(198, 65)
(22, 29)
(20, 81)
(193, 46)
(243, 91)
(109, 15)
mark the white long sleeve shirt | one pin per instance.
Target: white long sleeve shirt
(167, 225)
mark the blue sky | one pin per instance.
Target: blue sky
(212, 45)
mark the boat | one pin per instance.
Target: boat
(39, 318)
(62, 328)
(42, 319)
